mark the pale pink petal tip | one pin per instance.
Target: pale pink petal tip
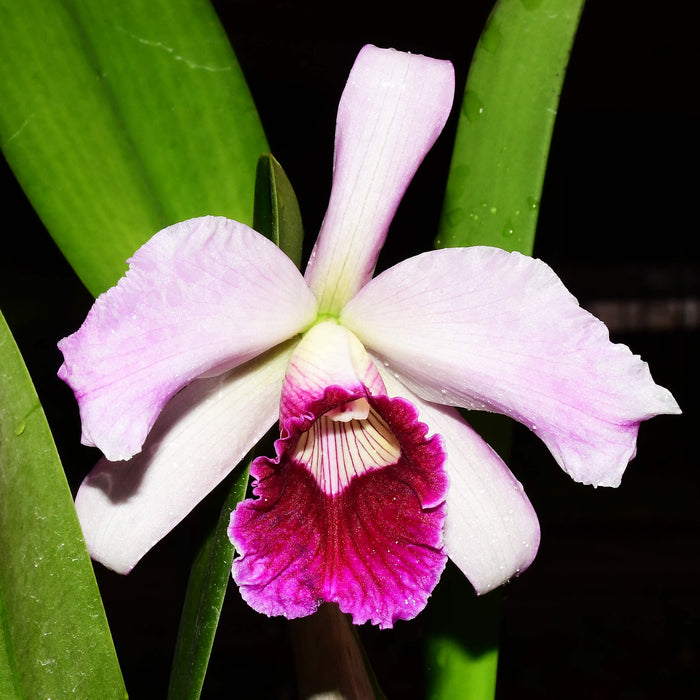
(201, 297)
(364, 531)
(484, 329)
(392, 110)
(126, 507)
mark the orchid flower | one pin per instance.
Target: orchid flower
(213, 335)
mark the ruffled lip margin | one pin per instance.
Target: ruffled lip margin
(375, 548)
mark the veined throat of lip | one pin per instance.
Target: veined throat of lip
(345, 442)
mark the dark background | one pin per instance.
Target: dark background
(609, 609)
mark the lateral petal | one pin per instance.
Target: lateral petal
(201, 435)
(485, 329)
(392, 110)
(202, 296)
(491, 531)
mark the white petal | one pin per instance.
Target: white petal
(491, 532)
(201, 435)
(392, 110)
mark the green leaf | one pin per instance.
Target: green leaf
(54, 638)
(206, 589)
(119, 118)
(492, 198)
(276, 213)
(462, 641)
(505, 125)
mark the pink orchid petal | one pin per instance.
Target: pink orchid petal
(202, 296)
(491, 532)
(392, 110)
(483, 328)
(371, 542)
(203, 432)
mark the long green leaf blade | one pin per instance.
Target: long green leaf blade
(462, 644)
(121, 118)
(9, 677)
(505, 124)
(276, 213)
(204, 599)
(492, 198)
(53, 628)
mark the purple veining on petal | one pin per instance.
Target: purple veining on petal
(374, 546)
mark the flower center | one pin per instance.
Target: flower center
(347, 441)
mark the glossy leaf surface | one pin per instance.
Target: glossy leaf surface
(54, 638)
(206, 588)
(276, 213)
(505, 125)
(120, 118)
